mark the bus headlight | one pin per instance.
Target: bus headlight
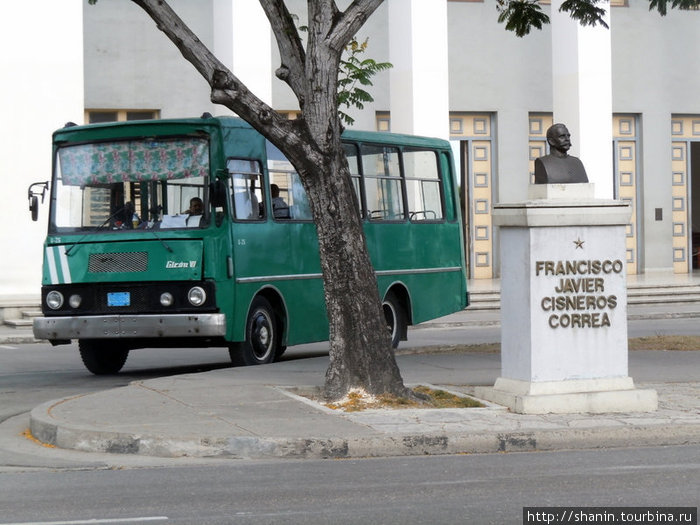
(166, 299)
(196, 296)
(54, 300)
(75, 300)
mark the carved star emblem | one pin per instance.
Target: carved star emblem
(579, 243)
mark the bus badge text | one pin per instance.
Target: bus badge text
(181, 264)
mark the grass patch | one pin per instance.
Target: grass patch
(482, 348)
(358, 400)
(665, 342)
(442, 399)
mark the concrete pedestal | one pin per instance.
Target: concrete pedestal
(564, 305)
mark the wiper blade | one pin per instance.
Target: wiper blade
(96, 229)
(161, 241)
(101, 226)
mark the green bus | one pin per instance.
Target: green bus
(197, 232)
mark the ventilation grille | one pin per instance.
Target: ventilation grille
(118, 262)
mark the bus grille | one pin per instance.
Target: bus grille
(118, 262)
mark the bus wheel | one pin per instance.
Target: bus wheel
(261, 336)
(280, 351)
(395, 318)
(102, 357)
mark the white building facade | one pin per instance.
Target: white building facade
(41, 65)
(630, 95)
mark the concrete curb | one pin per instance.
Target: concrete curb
(19, 339)
(68, 436)
(497, 322)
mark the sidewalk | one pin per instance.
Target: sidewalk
(254, 413)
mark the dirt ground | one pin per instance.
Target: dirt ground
(359, 400)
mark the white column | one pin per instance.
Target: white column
(42, 88)
(582, 88)
(242, 41)
(419, 79)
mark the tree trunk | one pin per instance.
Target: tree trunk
(361, 353)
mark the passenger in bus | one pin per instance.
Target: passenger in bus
(125, 217)
(194, 213)
(196, 207)
(246, 202)
(279, 208)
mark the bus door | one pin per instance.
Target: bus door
(276, 247)
(296, 247)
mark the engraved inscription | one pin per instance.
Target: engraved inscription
(579, 298)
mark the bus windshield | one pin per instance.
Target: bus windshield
(131, 184)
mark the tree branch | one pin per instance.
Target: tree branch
(350, 21)
(226, 88)
(289, 43)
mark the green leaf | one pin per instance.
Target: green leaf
(344, 117)
(585, 11)
(662, 5)
(521, 16)
(354, 71)
(363, 95)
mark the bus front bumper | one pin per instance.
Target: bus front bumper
(130, 326)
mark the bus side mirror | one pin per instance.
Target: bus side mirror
(34, 207)
(218, 193)
(33, 196)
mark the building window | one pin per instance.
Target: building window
(383, 119)
(96, 116)
(290, 115)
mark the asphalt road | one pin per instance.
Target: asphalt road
(436, 490)
(31, 374)
(43, 486)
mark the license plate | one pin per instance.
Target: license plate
(118, 299)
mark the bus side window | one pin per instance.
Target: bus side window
(448, 186)
(291, 191)
(353, 163)
(383, 189)
(294, 204)
(248, 198)
(422, 185)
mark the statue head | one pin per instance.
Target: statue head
(559, 167)
(559, 138)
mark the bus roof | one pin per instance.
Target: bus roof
(395, 138)
(121, 129)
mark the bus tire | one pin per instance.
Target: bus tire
(102, 357)
(280, 351)
(395, 318)
(261, 336)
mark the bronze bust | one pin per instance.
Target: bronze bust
(559, 167)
